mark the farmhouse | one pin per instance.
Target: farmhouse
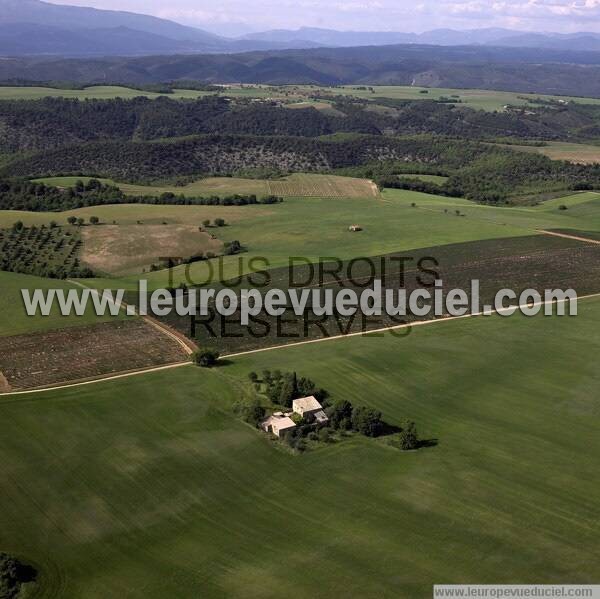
(278, 424)
(310, 409)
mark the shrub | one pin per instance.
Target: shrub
(324, 435)
(232, 247)
(367, 421)
(340, 414)
(409, 439)
(251, 411)
(206, 358)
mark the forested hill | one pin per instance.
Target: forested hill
(512, 69)
(481, 172)
(54, 122)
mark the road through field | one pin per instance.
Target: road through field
(566, 236)
(187, 346)
(289, 345)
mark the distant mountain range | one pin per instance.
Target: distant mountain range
(530, 70)
(439, 37)
(34, 27)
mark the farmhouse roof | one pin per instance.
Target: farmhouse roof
(307, 404)
(282, 422)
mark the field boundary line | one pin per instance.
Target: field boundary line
(99, 379)
(567, 236)
(403, 326)
(187, 345)
(285, 346)
(179, 338)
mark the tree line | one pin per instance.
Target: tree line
(22, 194)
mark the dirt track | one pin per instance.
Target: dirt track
(575, 237)
(188, 346)
(337, 337)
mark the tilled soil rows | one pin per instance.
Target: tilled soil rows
(41, 359)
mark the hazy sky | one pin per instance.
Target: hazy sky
(397, 15)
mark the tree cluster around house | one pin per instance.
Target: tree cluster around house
(280, 389)
(283, 387)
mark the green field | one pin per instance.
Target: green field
(275, 232)
(100, 92)
(130, 214)
(295, 185)
(313, 227)
(583, 211)
(298, 95)
(202, 187)
(559, 150)
(437, 179)
(475, 98)
(15, 321)
(148, 487)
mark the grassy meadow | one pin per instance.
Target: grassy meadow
(133, 249)
(437, 179)
(560, 150)
(99, 92)
(209, 186)
(299, 95)
(582, 211)
(318, 227)
(148, 487)
(14, 320)
(295, 185)
(481, 99)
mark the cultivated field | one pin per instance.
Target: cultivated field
(51, 357)
(40, 251)
(14, 320)
(148, 487)
(132, 249)
(475, 98)
(299, 96)
(390, 223)
(100, 92)
(558, 150)
(146, 214)
(519, 263)
(323, 186)
(296, 185)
